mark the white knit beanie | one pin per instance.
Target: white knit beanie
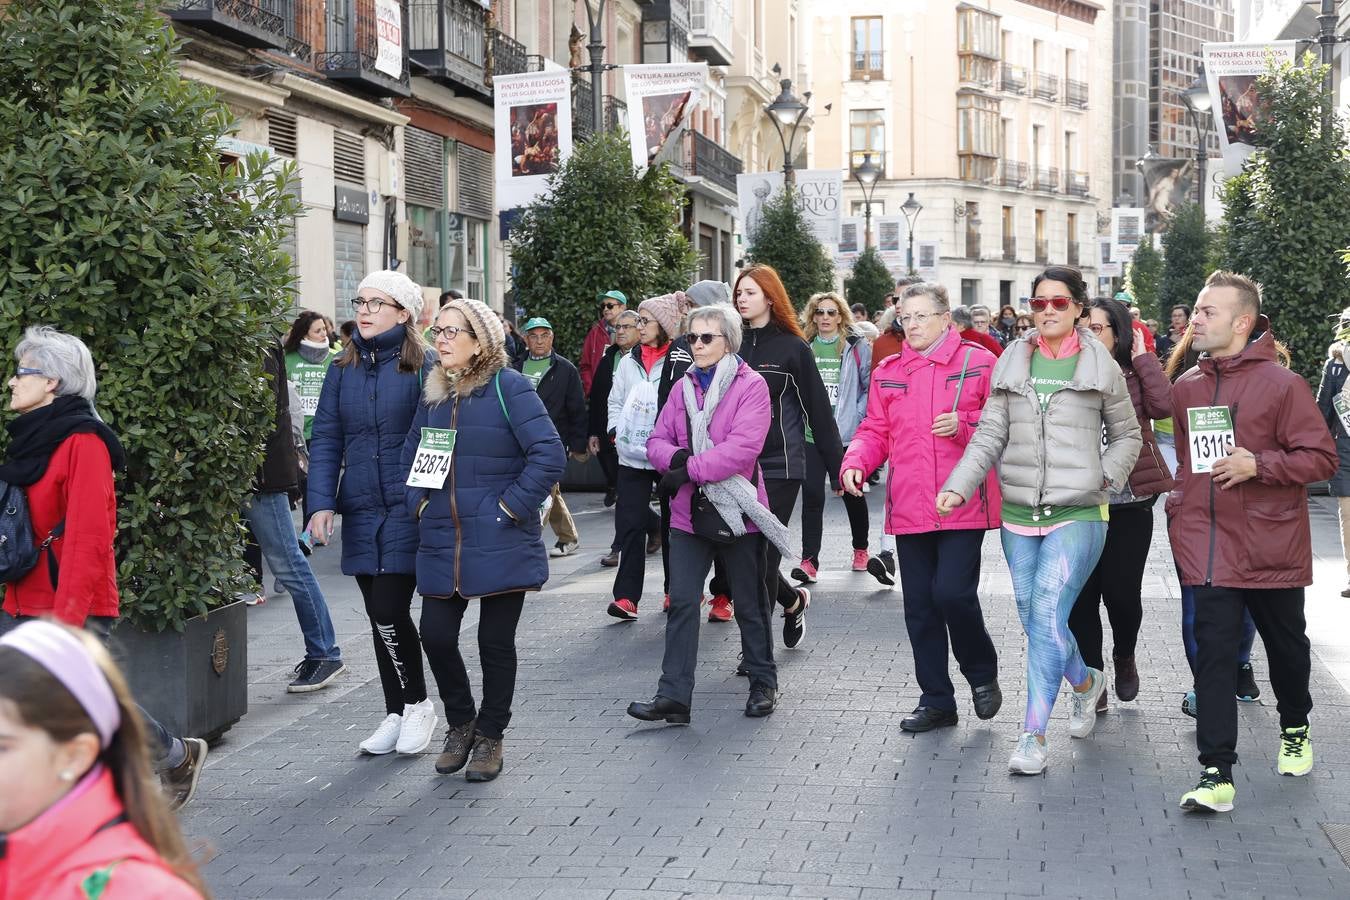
(406, 292)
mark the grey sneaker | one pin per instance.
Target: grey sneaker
(315, 675)
(1030, 757)
(1083, 717)
(180, 782)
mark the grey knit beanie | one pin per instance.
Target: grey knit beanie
(708, 293)
(487, 328)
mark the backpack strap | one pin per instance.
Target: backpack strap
(53, 567)
(501, 401)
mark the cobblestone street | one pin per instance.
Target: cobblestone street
(825, 798)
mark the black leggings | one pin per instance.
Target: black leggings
(782, 498)
(498, 616)
(1117, 582)
(813, 508)
(398, 654)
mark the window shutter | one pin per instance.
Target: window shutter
(281, 132)
(474, 182)
(349, 157)
(424, 168)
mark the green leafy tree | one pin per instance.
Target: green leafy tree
(1286, 213)
(118, 224)
(1186, 258)
(601, 227)
(870, 282)
(1143, 278)
(784, 241)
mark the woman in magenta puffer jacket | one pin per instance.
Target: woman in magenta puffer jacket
(923, 407)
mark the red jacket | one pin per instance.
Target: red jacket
(52, 855)
(889, 343)
(77, 487)
(1254, 535)
(984, 340)
(592, 351)
(1140, 327)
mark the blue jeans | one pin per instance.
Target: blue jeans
(269, 515)
(1048, 573)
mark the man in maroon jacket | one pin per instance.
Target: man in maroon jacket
(1250, 438)
(600, 336)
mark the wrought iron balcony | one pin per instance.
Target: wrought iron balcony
(710, 30)
(1046, 87)
(352, 52)
(1011, 174)
(1076, 183)
(615, 113)
(1012, 79)
(707, 159)
(1043, 179)
(1075, 93)
(250, 23)
(507, 56)
(1009, 248)
(582, 123)
(449, 39)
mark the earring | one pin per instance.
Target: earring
(67, 775)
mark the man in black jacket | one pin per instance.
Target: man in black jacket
(559, 387)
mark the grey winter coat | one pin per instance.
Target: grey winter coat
(1053, 458)
(855, 374)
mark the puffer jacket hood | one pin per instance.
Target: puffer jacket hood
(1255, 534)
(1052, 458)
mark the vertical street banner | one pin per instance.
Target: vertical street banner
(1127, 229)
(753, 191)
(926, 254)
(851, 243)
(1108, 265)
(819, 195)
(660, 99)
(1231, 71)
(533, 118)
(389, 38)
(891, 240)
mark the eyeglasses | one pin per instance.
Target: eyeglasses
(826, 311)
(624, 327)
(917, 319)
(370, 306)
(611, 305)
(1097, 328)
(643, 321)
(449, 332)
(1022, 328)
(703, 337)
(1038, 304)
(24, 370)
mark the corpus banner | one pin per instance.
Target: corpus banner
(819, 192)
(660, 98)
(1231, 71)
(533, 117)
(389, 38)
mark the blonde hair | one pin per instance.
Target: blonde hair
(809, 314)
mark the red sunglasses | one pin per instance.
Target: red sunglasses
(1038, 304)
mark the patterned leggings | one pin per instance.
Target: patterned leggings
(1048, 572)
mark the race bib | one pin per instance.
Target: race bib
(308, 381)
(833, 391)
(1211, 436)
(431, 465)
(1342, 406)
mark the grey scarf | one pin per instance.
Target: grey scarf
(733, 497)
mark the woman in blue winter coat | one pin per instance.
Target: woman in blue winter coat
(481, 456)
(368, 400)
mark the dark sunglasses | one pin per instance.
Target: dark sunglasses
(611, 305)
(704, 337)
(1038, 304)
(832, 313)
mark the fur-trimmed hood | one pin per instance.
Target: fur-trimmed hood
(440, 386)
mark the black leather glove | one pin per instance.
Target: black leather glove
(672, 481)
(680, 459)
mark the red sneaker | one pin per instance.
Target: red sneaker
(623, 608)
(860, 558)
(720, 611)
(665, 605)
(805, 573)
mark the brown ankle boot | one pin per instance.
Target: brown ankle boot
(455, 753)
(485, 760)
(1127, 678)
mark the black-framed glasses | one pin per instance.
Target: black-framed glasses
(704, 337)
(449, 332)
(827, 311)
(370, 306)
(1038, 304)
(24, 370)
(1098, 328)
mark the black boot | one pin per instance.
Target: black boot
(761, 702)
(987, 699)
(660, 709)
(926, 718)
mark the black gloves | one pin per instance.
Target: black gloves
(673, 480)
(680, 459)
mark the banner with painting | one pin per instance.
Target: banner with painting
(926, 257)
(891, 241)
(660, 100)
(1231, 71)
(533, 118)
(852, 241)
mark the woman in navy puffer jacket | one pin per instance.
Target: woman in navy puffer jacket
(481, 537)
(368, 399)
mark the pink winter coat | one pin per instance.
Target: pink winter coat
(738, 428)
(908, 391)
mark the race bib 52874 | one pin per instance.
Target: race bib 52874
(431, 465)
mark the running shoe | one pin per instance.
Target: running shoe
(623, 608)
(418, 728)
(1247, 691)
(1296, 754)
(805, 573)
(1188, 704)
(794, 621)
(385, 737)
(1083, 715)
(721, 610)
(860, 560)
(1031, 756)
(1214, 793)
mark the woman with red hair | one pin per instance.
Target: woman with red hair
(775, 348)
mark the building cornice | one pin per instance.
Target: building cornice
(235, 89)
(335, 99)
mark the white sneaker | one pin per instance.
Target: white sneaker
(419, 723)
(563, 548)
(1030, 757)
(1083, 717)
(867, 488)
(385, 737)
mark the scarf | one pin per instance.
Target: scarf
(734, 497)
(1068, 347)
(34, 437)
(312, 352)
(652, 355)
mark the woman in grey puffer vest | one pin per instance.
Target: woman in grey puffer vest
(1055, 390)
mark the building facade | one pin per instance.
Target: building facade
(1178, 31)
(1291, 20)
(996, 117)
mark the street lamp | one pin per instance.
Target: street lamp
(787, 112)
(595, 18)
(911, 209)
(1197, 100)
(866, 175)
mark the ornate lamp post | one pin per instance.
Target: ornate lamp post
(911, 209)
(1197, 100)
(786, 113)
(866, 175)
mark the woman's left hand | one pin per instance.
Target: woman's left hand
(1137, 349)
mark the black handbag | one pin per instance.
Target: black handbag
(706, 521)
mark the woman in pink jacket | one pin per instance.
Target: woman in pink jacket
(923, 408)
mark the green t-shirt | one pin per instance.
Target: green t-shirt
(1050, 375)
(308, 380)
(534, 369)
(829, 361)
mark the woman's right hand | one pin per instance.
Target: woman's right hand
(852, 482)
(321, 525)
(948, 501)
(593, 445)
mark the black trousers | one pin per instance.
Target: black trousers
(940, 578)
(813, 508)
(1117, 582)
(632, 518)
(398, 653)
(609, 462)
(782, 498)
(1278, 614)
(691, 557)
(498, 617)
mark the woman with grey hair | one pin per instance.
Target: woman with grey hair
(706, 442)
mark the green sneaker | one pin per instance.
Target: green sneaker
(1214, 793)
(1296, 756)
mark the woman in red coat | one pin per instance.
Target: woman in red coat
(81, 817)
